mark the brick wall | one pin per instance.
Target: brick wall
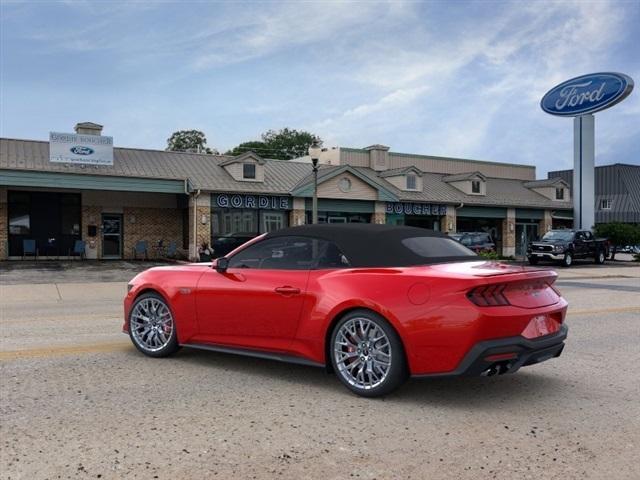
(509, 233)
(152, 225)
(546, 223)
(91, 215)
(202, 208)
(448, 222)
(4, 225)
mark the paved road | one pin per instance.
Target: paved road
(77, 401)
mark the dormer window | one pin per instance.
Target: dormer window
(475, 186)
(411, 182)
(249, 171)
(560, 193)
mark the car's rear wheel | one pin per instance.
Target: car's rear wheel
(367, 354)
(600, 257)
(152, 327)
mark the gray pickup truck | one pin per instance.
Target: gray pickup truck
(564, 246)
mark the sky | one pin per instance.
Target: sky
(445, 78)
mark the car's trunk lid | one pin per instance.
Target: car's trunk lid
(521, 286)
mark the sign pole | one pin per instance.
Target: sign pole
(583, 172)
(579, 98)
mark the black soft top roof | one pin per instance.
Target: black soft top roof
(372, 245)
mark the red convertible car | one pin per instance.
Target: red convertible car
(373, 303)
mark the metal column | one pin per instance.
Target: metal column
(583, 172)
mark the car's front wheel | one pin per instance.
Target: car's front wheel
(567, 261)
(533, 261)
(152, 327)
(600, 257)
(367, 354)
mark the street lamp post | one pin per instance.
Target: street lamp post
(314, 153)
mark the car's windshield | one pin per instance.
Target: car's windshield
(559, 235)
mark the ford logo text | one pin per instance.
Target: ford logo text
(587, 94)
(79, 150)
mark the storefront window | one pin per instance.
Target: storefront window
(70, 214)
(272, 221)
(52, 219)
(247, 221)
(340, 217)
(19, 214)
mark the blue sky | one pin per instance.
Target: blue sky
(460, 79)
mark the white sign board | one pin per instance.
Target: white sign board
(80, 149)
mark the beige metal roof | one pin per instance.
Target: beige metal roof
(202, 170)
(500, 192)
(281, 177)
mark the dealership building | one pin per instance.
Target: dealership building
(617, 192)
(78, 187)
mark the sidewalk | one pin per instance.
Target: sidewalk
(85, 271)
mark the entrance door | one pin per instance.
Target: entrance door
(525, 233)
(111, 235)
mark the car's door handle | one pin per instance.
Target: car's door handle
(287, 290)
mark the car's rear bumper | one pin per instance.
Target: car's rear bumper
(507, 355)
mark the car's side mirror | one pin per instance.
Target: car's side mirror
(222, 264)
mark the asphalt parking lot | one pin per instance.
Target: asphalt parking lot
(78, 401)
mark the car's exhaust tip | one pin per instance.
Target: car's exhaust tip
(499, 368)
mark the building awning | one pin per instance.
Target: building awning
(482, 212)
(29, 178)
(562, 215)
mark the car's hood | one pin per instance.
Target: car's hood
(183, 267)
(550, 242)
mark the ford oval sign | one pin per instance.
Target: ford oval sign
(78, 150)
(587, 94)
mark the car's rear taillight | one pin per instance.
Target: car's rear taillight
(489, 296)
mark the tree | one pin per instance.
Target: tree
(619, 234)
(188, 141)
(255, 146)
(283, 144)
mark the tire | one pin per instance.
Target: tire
(533, 261)
(567, 261)
(600, 257)
(152, 327)
(360, 362)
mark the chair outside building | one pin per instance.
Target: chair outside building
(141, 248)
(78, 250)
(29, 248)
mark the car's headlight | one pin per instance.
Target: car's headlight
(558, 248)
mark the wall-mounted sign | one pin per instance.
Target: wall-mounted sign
(80, 149)
(408, 208)
(224, 200)
(587, 94)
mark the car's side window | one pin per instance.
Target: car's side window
(278, 253)
(290, 253)
(330, 256)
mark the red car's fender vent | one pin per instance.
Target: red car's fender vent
(489, 295)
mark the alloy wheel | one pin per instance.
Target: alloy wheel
(363, 353)
(151, 324)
